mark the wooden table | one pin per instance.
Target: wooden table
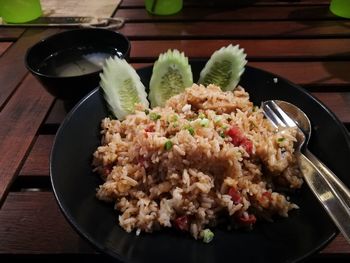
(298, 39)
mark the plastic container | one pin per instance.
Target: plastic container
(163, 7)
(340, 8)
(20, 11)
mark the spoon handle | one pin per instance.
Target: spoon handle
(327, 195)
(339, 187)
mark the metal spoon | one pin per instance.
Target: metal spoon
(304, 124)
(330, 191)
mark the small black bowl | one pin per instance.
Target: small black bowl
(68, 64)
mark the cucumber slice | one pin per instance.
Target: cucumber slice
(171, 75)
(122, 87)
(224, 68)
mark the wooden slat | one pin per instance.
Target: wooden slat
(26, 215)
(289, 2)
(251, 13)
(4, 46)
(201, 3)
(268, 29)
(37, 163)
(12, 66)
(10, 34)
(20, 120)
(338, 246)
(57, 114)
(273, 49)
(310, 73)
(338, 103)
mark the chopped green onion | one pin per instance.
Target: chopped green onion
(190, 129)
(204, 122)
(222, 134)
(168, 145)
(255, 108)
(252, 125)
(208, 235)
(217, 119)
(201, 115)
(280, 139)
(154, 116)
(146, 111)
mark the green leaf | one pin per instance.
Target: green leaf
(168, 145)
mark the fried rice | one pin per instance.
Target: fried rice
(206, 157)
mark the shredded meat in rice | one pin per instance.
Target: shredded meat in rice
(206, 155)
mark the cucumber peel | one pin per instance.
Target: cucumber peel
(224, 68)
(122, 87)
(170, 76)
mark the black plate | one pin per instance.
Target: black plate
(286, 240)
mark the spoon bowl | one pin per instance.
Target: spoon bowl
(301, 119)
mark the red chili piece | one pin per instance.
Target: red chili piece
(238, 139)
(150, 128)
(267, 195)
(247, 221)
(236, 135)
(235, 195)
(182, 223)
